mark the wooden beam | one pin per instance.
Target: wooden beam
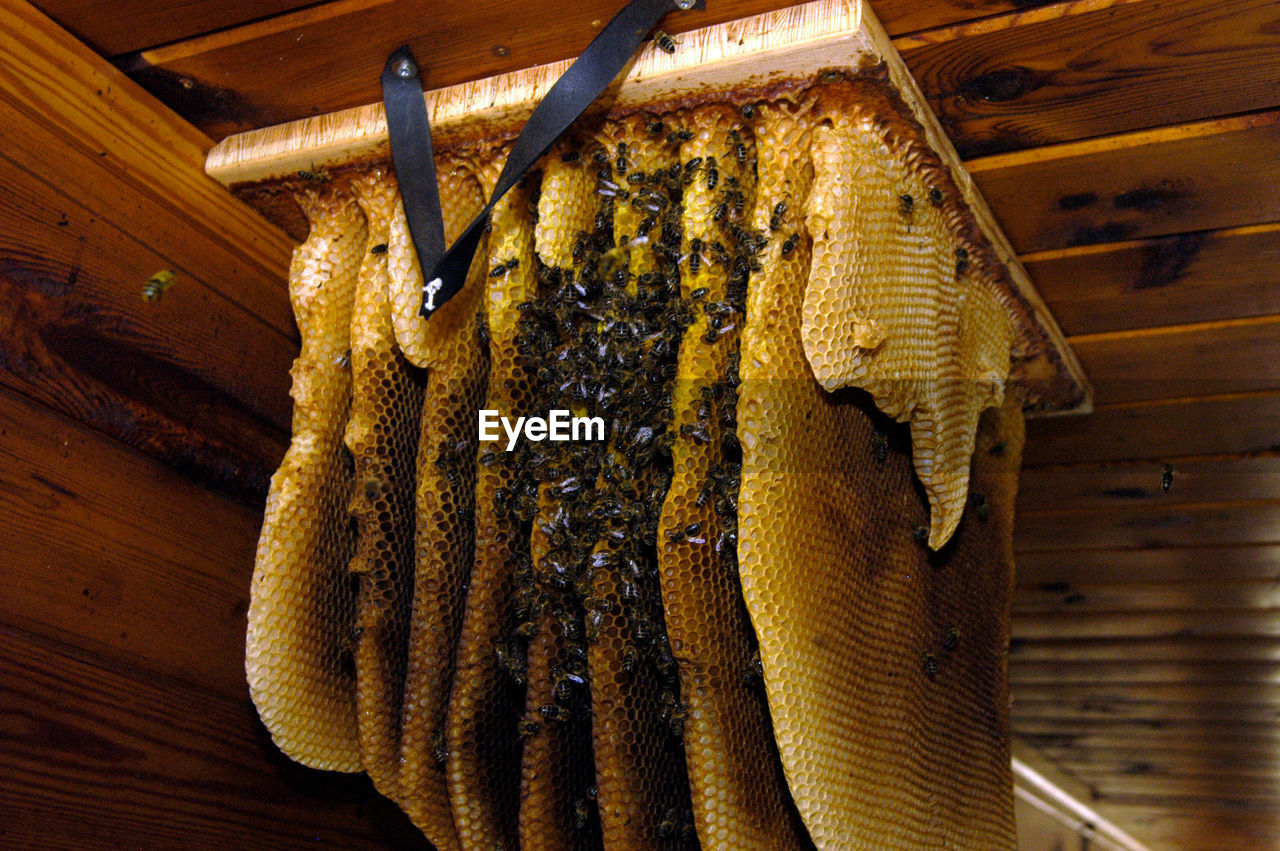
(1211, 174)
(102, 756)
(1160, 429)
(1150, 526)
(306, 63)
(1148, 711)
(1096, 67)
(1159, 625)
(1142, 671)
(1169, 280)
(109, 550)
(1264, 697)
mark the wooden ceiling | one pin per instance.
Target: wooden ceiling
(1131, 151)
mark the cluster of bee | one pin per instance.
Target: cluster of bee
(929, 661)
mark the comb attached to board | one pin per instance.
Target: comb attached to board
(768, 607)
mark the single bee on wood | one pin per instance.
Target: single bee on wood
(930, 664)
(665, 43)
(157, 284)
(790, 244)
(315, 175)
(380, 248)
(1166, 478)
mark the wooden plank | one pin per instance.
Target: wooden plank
(1119, 484)
(1153, 648)
(1194, 824)
(1157, 430)
(1208, 175)
(1096, 67)
(98, 756)
(111, 27)
(1149, 526)
(307, 63)
(1264, 792)
(1232, 356)
(1240, 563)
(1159, 735)
(1264, 697)
(1143, 671)
(109, 550)
(1181, 624)
(191, 378)
(1028, 600)
(1169, 280)
(77, 122)
(1205, 764)
(1149, 711)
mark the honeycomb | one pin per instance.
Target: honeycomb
(769, 608)
(382, 435)
(895, 305)
(299, 654)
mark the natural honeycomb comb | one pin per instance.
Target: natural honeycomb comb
(769, 608)
(299, 653)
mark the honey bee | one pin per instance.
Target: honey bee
(920, 534)
(528, 727)
(935, 196)
(622, 158)
(571, 157)
(157, 284)
(344, 360)
(748, 111)
(581, 813)
(775, 219)
(438, 749)
(951, 640)
(314, 175)
(675, 137)
(790, 244)
(380, 248)
(1166, 478)
(962, 261)
(655, 127)
(665, 43)
(879, 445)
(930, 664)
(906, 204)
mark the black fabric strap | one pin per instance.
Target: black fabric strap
(445, 272)
(412, 156)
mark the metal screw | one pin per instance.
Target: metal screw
(685, 5)
(404, 69)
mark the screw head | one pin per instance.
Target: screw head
(404, 69)
(685, 5)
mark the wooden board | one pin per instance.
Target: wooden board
(1212, 174)
(1149, 527)
(191, 378)
(69, 117)
(1239, 562)
(1044, 75)
(97, 756)
(1171, 280)
(1197, 623)
(1158, 430)
(1122, 483)
(111, 27)
(109, 550)
(1208, 593)
(1142, 670)
(1026, 646)
(1211, 358)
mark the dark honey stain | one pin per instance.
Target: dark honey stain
(1000, 85)
(48, 735)
(1150, 199)
(1165, 261)
(1078, 201)
(1105, 232)
(198, 102)
(1127, 493)
(53, 486)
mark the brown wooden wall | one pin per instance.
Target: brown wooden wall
(136, 439)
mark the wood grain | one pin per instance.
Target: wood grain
(191, 378)
(1171, 280)
(109, 550)
(1234, 563)
(1158, 430)
(1162, 648)
(76, 122)
(1208, 175)
(97, 756)
(1117, 484)
(1142, 671)
(1088, 597)
(1146, 527)
(1248, 623)
(305, 63)
(1211, 358)
(1043, 76)
(110, 27)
